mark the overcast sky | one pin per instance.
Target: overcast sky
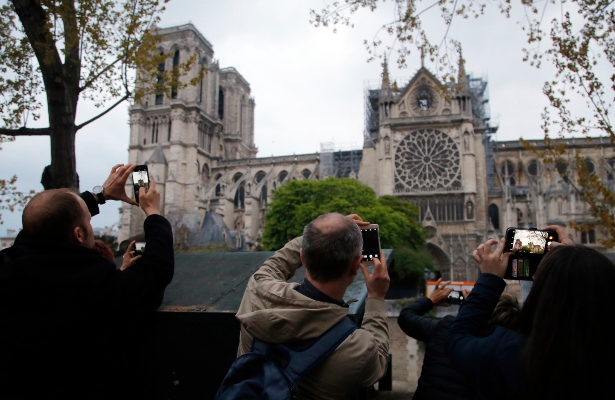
(308, 84)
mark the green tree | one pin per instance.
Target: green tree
(576, 37)
(54, 53)
(410, 266)
(297, 203)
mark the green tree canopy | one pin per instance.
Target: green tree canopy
(297, 203)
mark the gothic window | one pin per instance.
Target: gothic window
(427, 160)
(443, 209)
(155, 126)
(494, 215)
(591, 167)
(508, 173)
(175, 74)
(160, 81)
(169, 131)
(204, 137)
(282, 176)
(588, 237)
(306, 173)
(220, 104)
(240, 197)
(532, 169)
(562, 169)
(263, 197)
(204, 69)
(560, 206)
(610, 176)
(237, 176)
(259, 176)
(205, 175)
(218, 186)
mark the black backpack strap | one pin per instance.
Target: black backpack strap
(300, 362)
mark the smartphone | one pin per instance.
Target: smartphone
(371, 242)
(528, 246)
(140, 177)
(139, 248)
(456, 297)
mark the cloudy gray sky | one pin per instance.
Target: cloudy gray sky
(308, 84)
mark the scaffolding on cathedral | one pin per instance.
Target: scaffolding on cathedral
(341, 161)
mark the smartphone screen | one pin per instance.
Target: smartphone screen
(139, 247)
(371, 242)
(528, 246)
(140, 177)
(530, 241)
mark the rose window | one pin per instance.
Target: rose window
(427, 160)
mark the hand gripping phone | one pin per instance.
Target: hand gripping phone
(528, 246)
(140, 178)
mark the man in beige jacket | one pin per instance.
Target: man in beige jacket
(276, 311)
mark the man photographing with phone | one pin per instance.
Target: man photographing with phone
(68, 316)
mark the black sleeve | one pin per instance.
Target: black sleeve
(91, 202)
(414, 324)
(142, 285)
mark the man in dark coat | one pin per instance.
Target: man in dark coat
(68, 316)
(439, 378)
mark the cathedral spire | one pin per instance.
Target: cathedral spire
(461, 78)
(386, 82)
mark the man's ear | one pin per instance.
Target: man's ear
(354, 266)
(301, 257)
(78, 235)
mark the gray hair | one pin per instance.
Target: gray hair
(330, 243)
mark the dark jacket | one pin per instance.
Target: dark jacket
(69, 318)
(439, 378)
(492, 362)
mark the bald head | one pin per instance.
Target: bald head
(52, 215)
(330, 243)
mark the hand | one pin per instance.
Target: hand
(149, 200)
(562, 236)
(439, 295)
(357, 220)
(115, 185)
(129, 257)
(465, 293)
(378, 282)
(492, 261)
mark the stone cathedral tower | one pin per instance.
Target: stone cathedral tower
(424, 143)
(182, 138)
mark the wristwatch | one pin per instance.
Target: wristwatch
(99, 192)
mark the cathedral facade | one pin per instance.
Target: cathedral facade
(424, 141)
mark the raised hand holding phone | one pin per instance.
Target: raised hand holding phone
(149, 200)
(140, 178)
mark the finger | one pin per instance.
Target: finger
(125, 171)
(130, 247)
(142, 192)
(446, 283)
(500, 248)
(505, 257)
(115, 167)
(447, 290)
(487, 246)
(383, 260)
(135, 259)
(366, 274)
(152, 185)
(476, 256)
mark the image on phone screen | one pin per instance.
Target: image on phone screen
(530, 241)
(140, 178)
(371, 244)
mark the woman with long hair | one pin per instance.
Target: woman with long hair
(563, 348)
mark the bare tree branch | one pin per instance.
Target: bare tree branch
(126, 97)
(23, 131)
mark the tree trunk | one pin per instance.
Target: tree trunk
(62, 173)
